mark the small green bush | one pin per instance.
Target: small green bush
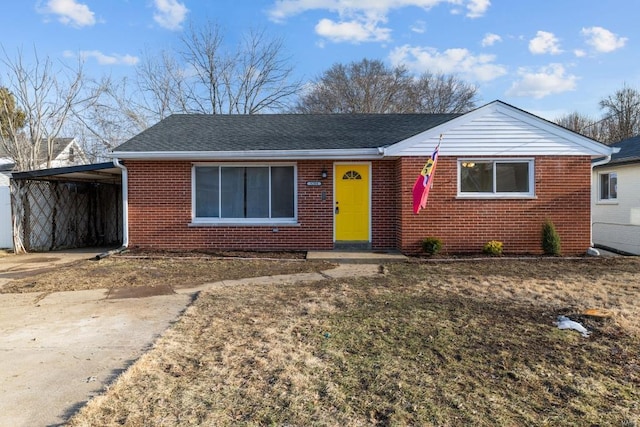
(431, 245)
(493, 247)
(550, 238)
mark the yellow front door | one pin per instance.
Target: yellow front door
(351, 210)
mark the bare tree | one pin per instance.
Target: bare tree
(204, 54)
(360, 87)
(622, 114)
(113, 117)
(584, 125)
(49, 96)
(206, 76)
(163, 86)
(440, 93)
(368, 86)
(265, 80)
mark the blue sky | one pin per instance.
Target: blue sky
(546, 57)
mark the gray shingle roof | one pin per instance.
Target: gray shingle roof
(629, 151)
(59, 144)
(198, 132)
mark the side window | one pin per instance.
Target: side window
(609, 186)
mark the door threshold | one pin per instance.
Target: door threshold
(352, 246)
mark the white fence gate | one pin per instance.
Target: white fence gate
(6, 229)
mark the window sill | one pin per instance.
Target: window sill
(607, 202)
(243, 224)
(495, 197)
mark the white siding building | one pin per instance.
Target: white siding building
(616, 199)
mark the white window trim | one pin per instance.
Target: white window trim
(494, 195)
(609, 201)
(195, 221)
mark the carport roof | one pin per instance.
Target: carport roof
(107, 173)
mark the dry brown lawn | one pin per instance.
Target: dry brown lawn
(427, 343)
(179, 270)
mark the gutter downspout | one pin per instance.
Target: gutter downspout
(125, 212)
(607, 159)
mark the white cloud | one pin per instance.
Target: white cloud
(579, 53)
(477, 8)
(364, 14)
(490, 39)
(283, 9)
(419, 27)
(603, 40)
(546, 81)
(352, 31)
(70, 12)
(451, 61)
(104, 59)
(170, 14)
(544, 42)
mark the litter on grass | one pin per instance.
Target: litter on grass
(598, 313)
(565, 323)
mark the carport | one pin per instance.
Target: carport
(68, 207)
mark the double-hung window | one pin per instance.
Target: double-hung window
(496, 178)
(608, 186)
(244, 193)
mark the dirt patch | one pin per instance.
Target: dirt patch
(139, 292)
(36, 260)
(204, 254)
(155, 269)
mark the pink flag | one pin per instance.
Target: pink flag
(423, 183)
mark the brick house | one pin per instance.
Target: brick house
(319, 182)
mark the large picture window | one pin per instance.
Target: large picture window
(609, 186)
(244, 193)
(495, 178)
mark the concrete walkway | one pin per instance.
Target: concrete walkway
(355, 257)
(58, 350)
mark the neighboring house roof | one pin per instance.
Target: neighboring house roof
(59, 145)
(493, 129)
(629, 151)
(6, 164)
(61, 154)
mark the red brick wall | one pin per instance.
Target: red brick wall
(160, 210)
(562, 188)
(384, 205)
(160, 213)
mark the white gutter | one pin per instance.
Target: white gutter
(603, 161)
(593, 195)
(125, 206)
(361, 153)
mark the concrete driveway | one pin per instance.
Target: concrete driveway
(58, 350)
